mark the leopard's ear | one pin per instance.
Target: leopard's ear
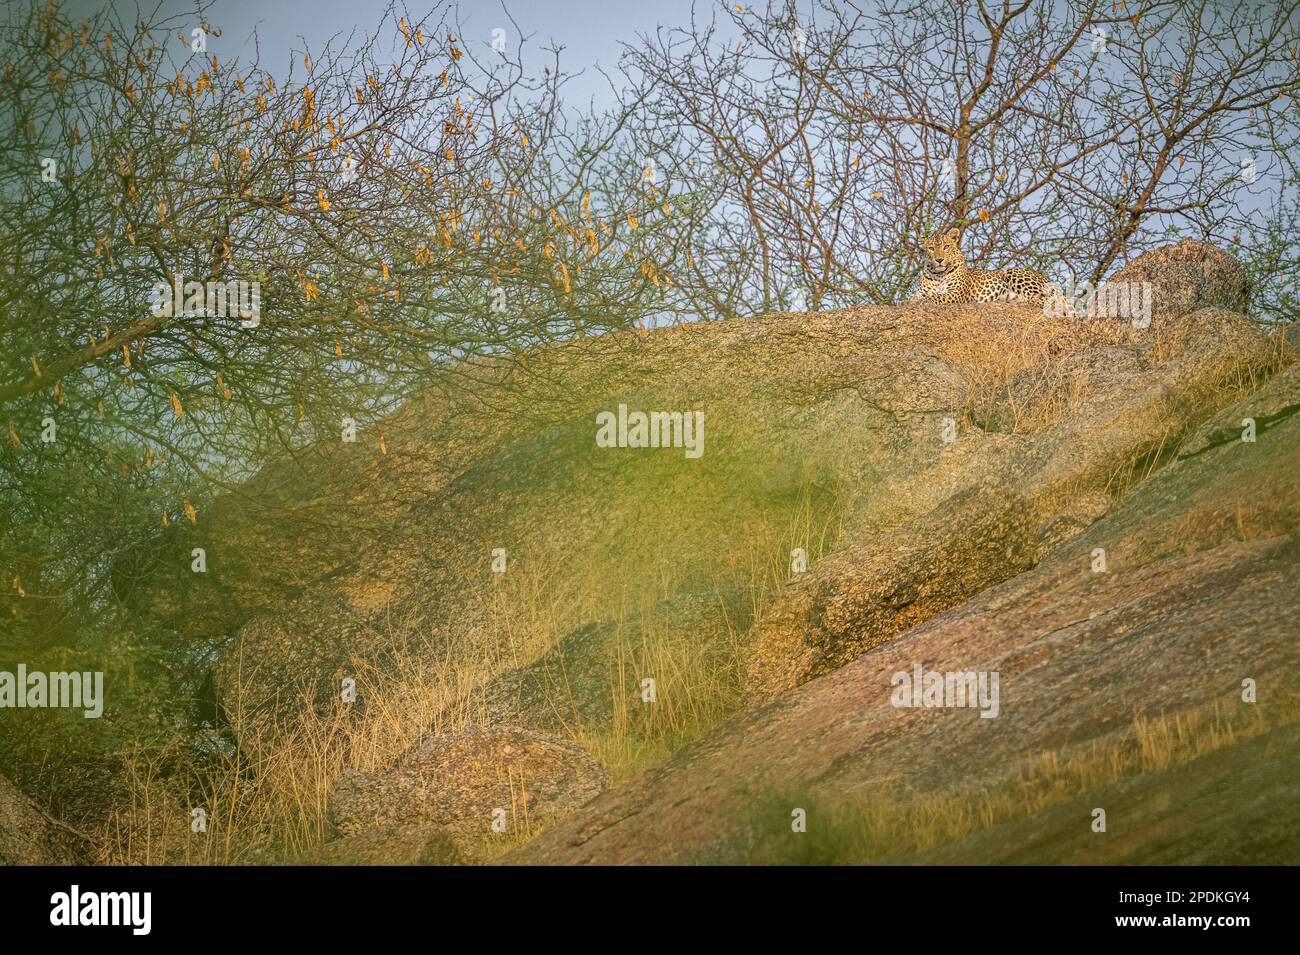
(954, 234)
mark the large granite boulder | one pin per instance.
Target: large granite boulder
(1188, 276)
(465, 782)
(30, 836)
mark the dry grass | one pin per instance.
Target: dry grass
(992, 353)
(271, 806)
(879, 828)
(1148, 745)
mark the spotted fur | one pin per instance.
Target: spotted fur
(948, 279)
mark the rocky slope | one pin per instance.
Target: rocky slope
(1233, 806)
(1199, 593)
(879, 487)
(29, 836)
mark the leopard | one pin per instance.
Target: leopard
(948, 280)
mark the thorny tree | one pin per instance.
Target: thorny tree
(410, 206)
(819, 145)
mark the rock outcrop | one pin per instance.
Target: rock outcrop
(879, 487)
(806, 417)
(464, 782)
(28, 836)
(916, 455)
(1198, 594)
(1004, 503)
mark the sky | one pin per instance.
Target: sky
(590, 31)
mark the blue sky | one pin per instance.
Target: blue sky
(591, 31)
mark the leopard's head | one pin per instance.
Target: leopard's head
(943, 253)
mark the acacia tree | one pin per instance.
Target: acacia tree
(408, 208)
(822, 145)
(412, 210)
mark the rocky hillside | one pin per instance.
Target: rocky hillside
(878, 488)
(1199, 594)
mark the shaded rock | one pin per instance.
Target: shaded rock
(28, 836)
(391, 845)
(1199, 592)
(1233, 806)
(458, 780)
(578, 683)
